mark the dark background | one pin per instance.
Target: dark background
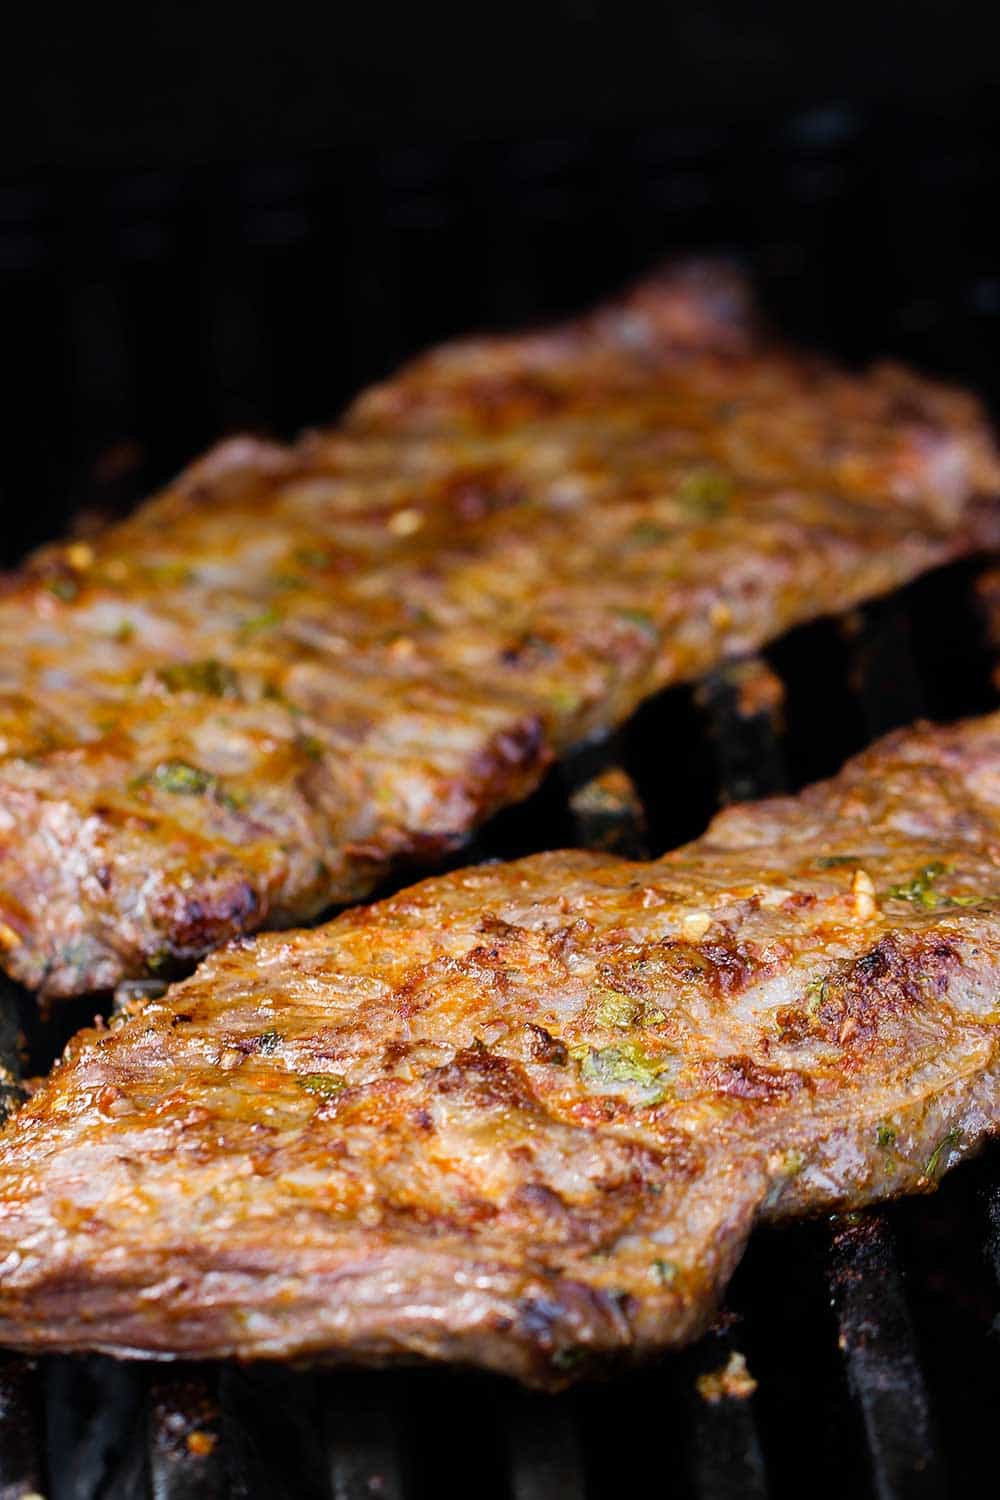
(213, 217)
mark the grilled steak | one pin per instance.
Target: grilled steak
(301, 665)
(525, 1115)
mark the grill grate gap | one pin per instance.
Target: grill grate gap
(94, 1430)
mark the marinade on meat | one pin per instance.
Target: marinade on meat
(302, 665)
(525, 1115)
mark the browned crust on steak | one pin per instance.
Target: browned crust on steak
(525, 1115)
(300, 666)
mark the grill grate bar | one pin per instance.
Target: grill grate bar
(991, 1204)
(544, 1452)
(94, 1429)
(883, 1368)
(743, 703)
(10, 1048)
(727, 1461)
(363, 1426)
(20, 1471)
(883, 672)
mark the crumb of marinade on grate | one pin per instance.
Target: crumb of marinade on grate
(732, 1381)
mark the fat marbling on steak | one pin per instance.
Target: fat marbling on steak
(301, 665)
(525, 1115)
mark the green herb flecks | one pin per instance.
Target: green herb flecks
(920, 890)
(625, 1063)
(64, 588)
(211, 678)
(832, 861)
(568, 1359)
(664, 1272)
(322, 1084)
(170, 574)
(615, 1008)
(815, 995)
(312, 557)
(944, 1144)
(312, 746)
(641, 619)
(565, 700)
(649, 533)
(885, 1135)
(265, 620)
(160, 961)
(182, 779)
(706, 493)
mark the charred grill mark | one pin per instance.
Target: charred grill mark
(415, 992)
(742, 1078)
(200, 921)
(733, 965)
(485, 1080)
(719, 968)
(794, 1025)
(545, 1048)
(897, 976)
(490, 966)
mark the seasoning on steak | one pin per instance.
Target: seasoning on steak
(525, 1115)
(302, 665)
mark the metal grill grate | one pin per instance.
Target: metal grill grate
(870, 1337)
(149, 311)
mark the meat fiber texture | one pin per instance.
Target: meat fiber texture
(301, 666)
(525, 1115)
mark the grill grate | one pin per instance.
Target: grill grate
(838, 1321)
(153, 309)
